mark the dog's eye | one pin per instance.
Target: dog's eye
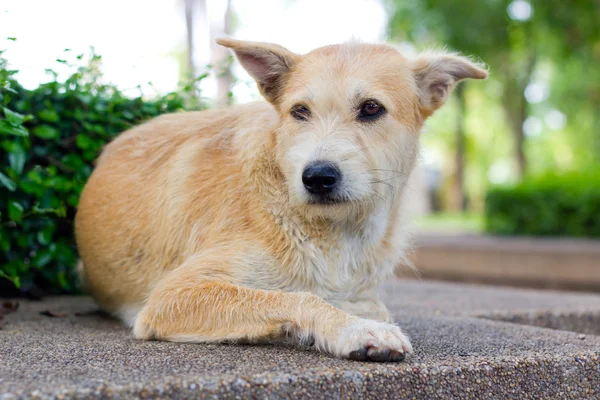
(370, 110)
(300, 112)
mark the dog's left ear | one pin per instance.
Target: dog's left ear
(437, 74)
(269, 64)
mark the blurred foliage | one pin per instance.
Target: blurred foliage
(450, 222)
(549, 205)
(49, 139)
(549, 45)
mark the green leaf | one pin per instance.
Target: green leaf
(23, 241)
(12, 39)
(49, 115)
(62, 280)
(14, 279)
(7, 182)
(73, 161)
(5, 239)
(61, 211)
(13, 118)
(7, 129)
(45, 236)
(16, 160)
(83, 141)
(46, 132)
(42, 259)
(15, 211)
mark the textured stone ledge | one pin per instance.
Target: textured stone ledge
(465, 348)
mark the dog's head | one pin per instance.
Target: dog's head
(350, 117)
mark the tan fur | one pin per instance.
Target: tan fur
(196, 227)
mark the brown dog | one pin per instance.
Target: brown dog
(263, 221)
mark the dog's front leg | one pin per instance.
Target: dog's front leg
(370, 308)
(200, 303)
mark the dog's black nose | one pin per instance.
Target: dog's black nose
(320, 178)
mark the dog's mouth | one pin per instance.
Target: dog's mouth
(329, 200)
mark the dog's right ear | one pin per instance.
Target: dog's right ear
(269, 64)
(438, 73)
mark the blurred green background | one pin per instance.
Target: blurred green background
(539, 110)
(517, 154)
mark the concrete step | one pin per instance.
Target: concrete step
(470, 341)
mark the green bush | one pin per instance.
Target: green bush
(551, 205)
(49, 139)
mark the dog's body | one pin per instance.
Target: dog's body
(261, 220)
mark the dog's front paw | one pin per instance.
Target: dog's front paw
(368, 340)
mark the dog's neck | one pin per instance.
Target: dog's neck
(362, 250)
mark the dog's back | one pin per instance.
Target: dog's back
(160, 192)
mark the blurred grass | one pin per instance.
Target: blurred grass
(451, 222)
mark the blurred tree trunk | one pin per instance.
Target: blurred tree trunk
(516, 110)
(458, 200)
(515, 106)
(220, 57)
(189, 25)
(195, 10)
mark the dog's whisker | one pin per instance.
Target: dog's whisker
(386, 170)
(384, 180)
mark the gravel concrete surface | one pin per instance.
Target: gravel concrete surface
(470, 342)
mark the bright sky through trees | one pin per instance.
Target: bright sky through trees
(139, 39)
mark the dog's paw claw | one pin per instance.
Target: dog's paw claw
(377, 355)
(397, 356)
(359, 355)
